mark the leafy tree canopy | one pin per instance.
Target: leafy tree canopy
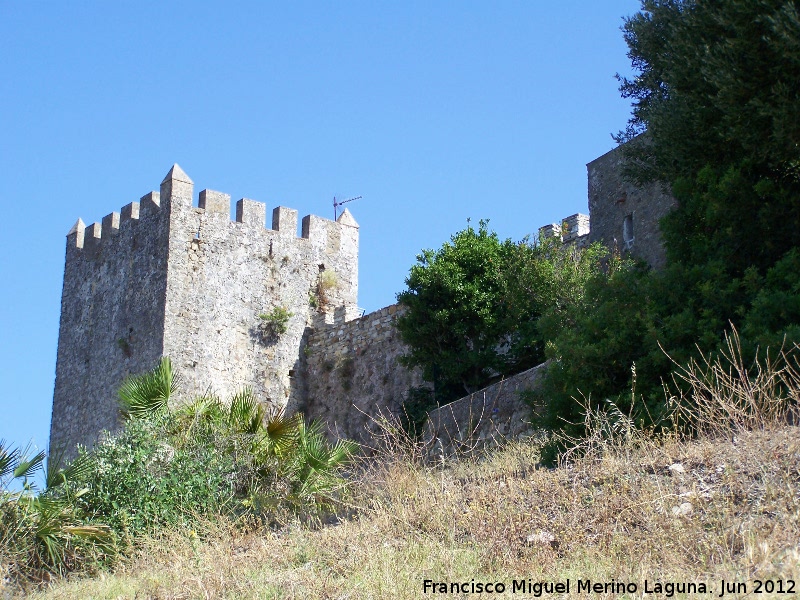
(717, 82)
(453, 321)
(472, 307)
(718, 93)
(717, 96)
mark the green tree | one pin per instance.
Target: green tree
(716, 93)
(454, 311)
(717, 89)
(594, 346)
(715, 82)
(472, 308)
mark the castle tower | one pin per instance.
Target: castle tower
(166, 278)
(625, 217)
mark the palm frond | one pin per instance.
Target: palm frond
(245, 413)
(342, 452)
(9, 459)
(28, 466)
(51, 518)
(148, 394)
(313, 446)
(283, 432)
(53, 471)
(95, 533)
(200, 412)
(319, 454)
(77, 470)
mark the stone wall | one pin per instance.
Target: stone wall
(488, 416)
(112, 317)
(353, 374)
(224, 274)
(572, 231)
(166, 278)
(623, 216)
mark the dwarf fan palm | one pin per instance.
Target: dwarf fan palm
(40, 532)
(148, 394)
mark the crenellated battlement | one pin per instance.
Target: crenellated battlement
(572, 229)
(177, 187)
(111, 224)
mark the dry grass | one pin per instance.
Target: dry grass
(716, 396)
(668, 510)
(629, 507)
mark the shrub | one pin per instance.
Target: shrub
(170, 466)
(274, 324)
(326, 285)
(43, 533)
(141, 479)
(419, 401)
(473, 306)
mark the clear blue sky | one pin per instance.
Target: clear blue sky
(433, 111)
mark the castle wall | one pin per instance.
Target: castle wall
(112, 317)
(223, 275)
(623, 216)
(166, 278)
(353, 374)
(488, 416)
(572, 231)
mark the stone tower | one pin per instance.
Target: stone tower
(622, 216)
(166, 278)
(625, 217)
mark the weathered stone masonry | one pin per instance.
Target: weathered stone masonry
(625, 217)
(166, 278)
(353, 374)
(494, 413)
(622, 216)
(112, 319)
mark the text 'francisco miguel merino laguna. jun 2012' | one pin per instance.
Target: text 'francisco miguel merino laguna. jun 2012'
(668, 589)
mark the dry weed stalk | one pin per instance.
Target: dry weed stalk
(604, 429)
(724, 395)
(391, 443)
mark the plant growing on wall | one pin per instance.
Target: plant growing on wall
(274, 324)
(347, 370)
(125, 346)
(326, 285)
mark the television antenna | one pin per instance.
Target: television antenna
(338, 203)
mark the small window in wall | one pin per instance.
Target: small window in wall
(627, 231)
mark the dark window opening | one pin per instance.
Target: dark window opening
(627, 231)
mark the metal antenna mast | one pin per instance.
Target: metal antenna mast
(337, 204)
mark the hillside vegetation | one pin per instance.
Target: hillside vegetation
(624, 506)
(668, 413)
(716, 119)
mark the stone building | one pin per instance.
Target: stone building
(165, 278)
(623, 216)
